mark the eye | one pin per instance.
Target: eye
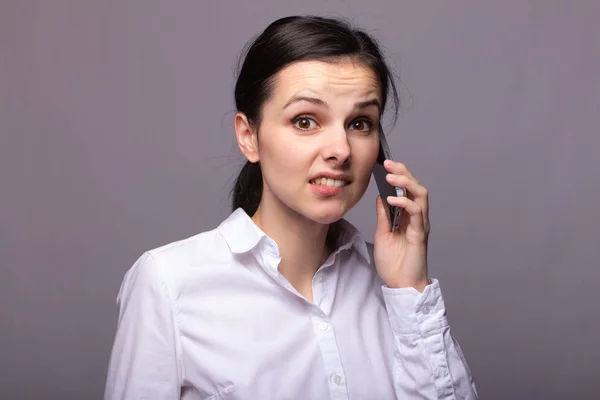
(304, 123)
(361, 125)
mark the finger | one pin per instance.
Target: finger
(383, 222)
(413, 210)
(416, 192)
(398, 168)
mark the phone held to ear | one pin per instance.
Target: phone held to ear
(385, 189)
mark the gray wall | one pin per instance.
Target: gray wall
(116, 137)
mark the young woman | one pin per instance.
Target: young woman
(285, 299)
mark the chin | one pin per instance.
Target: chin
(327, 213)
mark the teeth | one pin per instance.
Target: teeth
(328, 182)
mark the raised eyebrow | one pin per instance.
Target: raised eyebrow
(313, 100)
(318, 102)
(368, 103)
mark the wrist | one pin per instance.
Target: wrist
(418, 284)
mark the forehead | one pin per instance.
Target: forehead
(327, 79)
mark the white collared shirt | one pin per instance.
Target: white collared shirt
(211, 317)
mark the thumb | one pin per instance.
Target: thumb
(383, 222)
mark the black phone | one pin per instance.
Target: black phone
(385, 189)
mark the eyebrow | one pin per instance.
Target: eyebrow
(298, 98)
(368, 103)
(318, 102)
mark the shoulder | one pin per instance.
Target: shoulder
(170, 266)
(201, 249)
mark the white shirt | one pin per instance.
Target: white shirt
(211, 317)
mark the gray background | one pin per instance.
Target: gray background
(116, 137)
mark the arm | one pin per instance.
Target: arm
(145, 357)
(429, 363)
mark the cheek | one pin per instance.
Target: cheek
(282, 159)
(275, 154)
(365, 156)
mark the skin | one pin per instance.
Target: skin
(322, 118)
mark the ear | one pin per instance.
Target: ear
(247, 138)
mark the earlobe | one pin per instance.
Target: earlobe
(246, 137)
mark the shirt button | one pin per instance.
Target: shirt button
(425, 309)
(397, 354)
(337, 379)
(323, 326)
(320, 279)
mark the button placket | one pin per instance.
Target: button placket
(324, 332)
(320, 295)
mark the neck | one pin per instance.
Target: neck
(302, 242)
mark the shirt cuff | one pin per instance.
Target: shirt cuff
(411, 312)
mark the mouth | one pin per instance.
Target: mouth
(329, 182)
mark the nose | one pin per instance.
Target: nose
(336, 148)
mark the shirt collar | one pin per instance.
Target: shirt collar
(242, 235)
(349, 236)
(240, 232)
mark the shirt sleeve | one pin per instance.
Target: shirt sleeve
(144, 362)
(428, 362)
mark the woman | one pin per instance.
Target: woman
(285, 299)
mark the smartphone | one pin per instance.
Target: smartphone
(385, 189)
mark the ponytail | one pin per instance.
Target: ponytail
(247, 190)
